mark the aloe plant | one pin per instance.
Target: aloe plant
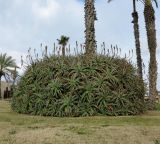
(70, 86)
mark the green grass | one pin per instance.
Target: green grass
(19, 128)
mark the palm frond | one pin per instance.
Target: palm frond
(155, 1)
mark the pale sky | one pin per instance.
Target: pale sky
(28, 23)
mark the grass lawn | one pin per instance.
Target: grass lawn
(24, 129)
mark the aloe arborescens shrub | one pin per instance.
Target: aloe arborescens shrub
(58, 86)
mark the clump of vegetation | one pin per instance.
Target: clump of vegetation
(158, 106)
(71, 86)
(157, 141)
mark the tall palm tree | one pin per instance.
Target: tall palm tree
(63, 42)
(137, 39)
(90, 17)
(149, 15)
(6, 62)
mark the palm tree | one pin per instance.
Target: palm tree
(6, 62)
(90, 17)
(63, 42)
(137, 39)
(149, 16)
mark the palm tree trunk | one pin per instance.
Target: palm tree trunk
(90, 17)
(137, 39)
(149, 16)
(63, 51)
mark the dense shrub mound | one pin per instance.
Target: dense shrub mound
(71, 86)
